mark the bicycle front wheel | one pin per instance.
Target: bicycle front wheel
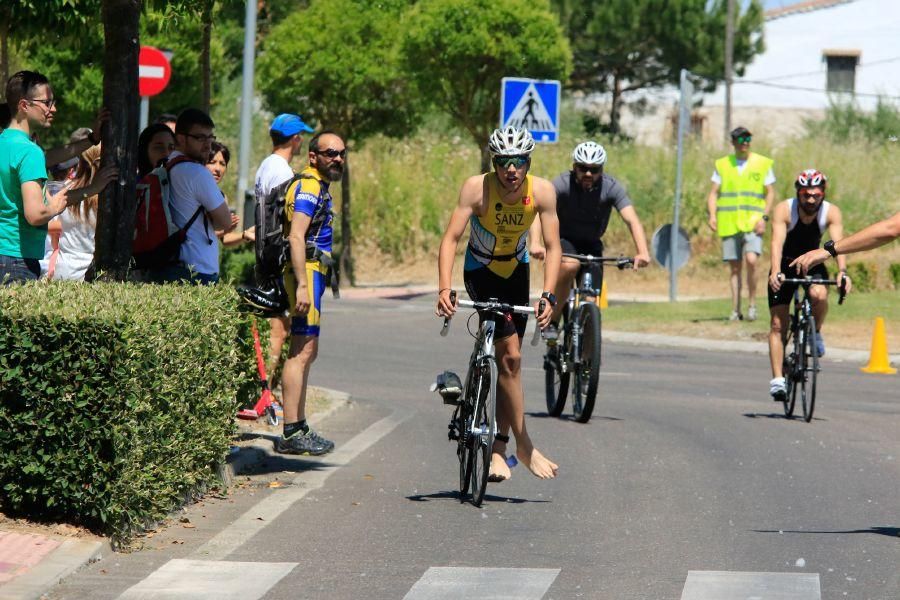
(788, 369)
(556, 374)
(587, 373)
(484, 426)
(810, 370)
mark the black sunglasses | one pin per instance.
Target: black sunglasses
(332, 153)
(592, 169)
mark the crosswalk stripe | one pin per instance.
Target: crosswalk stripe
(452, 583)
(182, 579)
(715, 585)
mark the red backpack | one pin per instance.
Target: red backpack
(157, 240)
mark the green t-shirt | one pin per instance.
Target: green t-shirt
(21, 160)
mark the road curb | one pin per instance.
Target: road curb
(677, 341)
(69, 557)
(262, 447)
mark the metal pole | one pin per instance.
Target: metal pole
(145, 114)
(729, 67)
(246, 102)
(683, 120)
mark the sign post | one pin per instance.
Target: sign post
(532, 104)
(154, 72)
(684, 126)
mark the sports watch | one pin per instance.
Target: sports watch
(829, 247)
(549, 297)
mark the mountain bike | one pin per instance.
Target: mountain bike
(473, 424)
(801, 360)
(577, 349)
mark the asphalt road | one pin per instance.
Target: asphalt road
(687, 483)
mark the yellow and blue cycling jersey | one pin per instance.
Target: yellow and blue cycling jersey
(497, 240)
(310, 196)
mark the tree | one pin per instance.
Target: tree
(621, 46)
(337, 63)
(457, 51)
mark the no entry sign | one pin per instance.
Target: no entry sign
(154, 71)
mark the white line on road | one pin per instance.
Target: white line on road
(262, 514)
(181, 579)
(451, 583)
(715, 585)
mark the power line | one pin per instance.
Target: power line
(808, 89)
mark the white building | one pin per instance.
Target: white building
(816, 51)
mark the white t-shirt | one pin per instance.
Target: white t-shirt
(717, 179)
(76, 246)
(194, 186)
(272, 172)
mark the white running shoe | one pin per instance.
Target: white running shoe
(751, 313)
(778, 389)
(736, 316)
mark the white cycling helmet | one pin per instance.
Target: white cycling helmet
(511, 141)
(589, 153)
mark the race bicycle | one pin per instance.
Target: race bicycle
(577, 349)
(474, 421)
(801, 360)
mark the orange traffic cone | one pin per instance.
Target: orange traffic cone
(602, 300)
(879, 362)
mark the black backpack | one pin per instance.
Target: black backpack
(272, 249)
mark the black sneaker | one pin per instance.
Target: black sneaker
(301, 443)
(328, 444)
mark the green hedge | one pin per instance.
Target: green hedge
(117, 401)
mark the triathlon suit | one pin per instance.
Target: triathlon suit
(309, 195)
(584, 215)
(496, 263)
(801, 238)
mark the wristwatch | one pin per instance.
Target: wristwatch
(549, 297)
(765, 218)
(829, 247)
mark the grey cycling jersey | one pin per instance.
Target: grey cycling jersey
(584, 216)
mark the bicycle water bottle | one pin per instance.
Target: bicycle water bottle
(588, 281)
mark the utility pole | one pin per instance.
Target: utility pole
(729, 59)
(246, 104)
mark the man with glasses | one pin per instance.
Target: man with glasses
(585, 197)
(797, 227)
(499, 207)
(26, 205)
(739, 202)
(308, 226)
(197, 203)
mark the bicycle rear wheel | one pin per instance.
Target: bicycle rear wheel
(484, 427)
(588, 372)
(556, 378)
(788, 369)
(810, 370)
(463, 422)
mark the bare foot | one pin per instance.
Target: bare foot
(499, 469)
(537, 463)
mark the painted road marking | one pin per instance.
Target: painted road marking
(452, 583)
(258, 517)
(715, 585)
(182, 579)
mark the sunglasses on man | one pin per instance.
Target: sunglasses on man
(592, 169)
(504, 162)
(332, 153)
(743, 139)
(813, 195)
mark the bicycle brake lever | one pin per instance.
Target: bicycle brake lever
(624, 262)
(537, 328)
(446, 328)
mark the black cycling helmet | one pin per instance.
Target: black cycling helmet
(269, 300)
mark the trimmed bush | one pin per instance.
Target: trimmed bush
(236, 265)
(117, 401)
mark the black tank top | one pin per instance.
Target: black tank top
(803, 237)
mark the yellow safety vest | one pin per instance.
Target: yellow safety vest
(742, 196)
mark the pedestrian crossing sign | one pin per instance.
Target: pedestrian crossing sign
(533, 104)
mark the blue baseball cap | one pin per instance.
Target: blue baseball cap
(287, 125)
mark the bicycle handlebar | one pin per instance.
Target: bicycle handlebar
(496, 307)
(621, 261)
(806, 281)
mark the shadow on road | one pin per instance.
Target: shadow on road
(779, 416)
(454, 495)
(893, 532)
(253, 460)
(544, 415)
